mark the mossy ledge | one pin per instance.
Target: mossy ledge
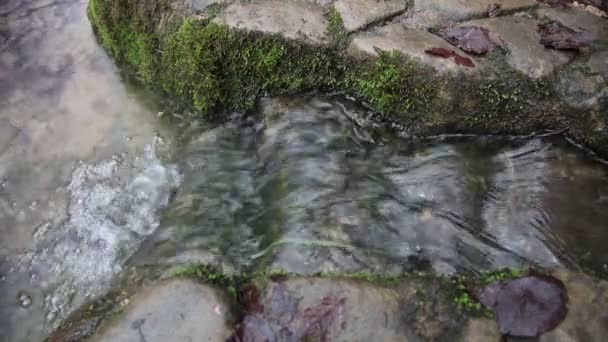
(213, 69)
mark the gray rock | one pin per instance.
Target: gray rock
(526, 55)
(457, 10)
(584, 83)
(290, 19)
(578, 20)
(357, 14)
(416, 310)
(175, 310)
(587, 318)
(410, 42)
(8, 133)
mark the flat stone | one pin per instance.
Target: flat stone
(175, 310)
(587, 318)
(357, 14)
(413, 311)
(8, 133)
(578, 20)
(526, 55)
(288, 18)
(412, 43)
(457, 10)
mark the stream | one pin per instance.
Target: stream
(95, 178)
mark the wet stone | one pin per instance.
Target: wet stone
(577, 20)
(357, 14)
(587, 318)
(347, 310)
(456, 10)
(8, 133)
(412, 43)
(175, 310)
(290, 19)
(522, 39)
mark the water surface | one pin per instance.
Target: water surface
(303, 188)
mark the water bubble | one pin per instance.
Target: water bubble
(24, 300)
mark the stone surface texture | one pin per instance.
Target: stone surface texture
(578, 20)
(457, 10)
(587, 318)
(412, 43)
(374, 312)
(176, 310)
(526, 54)
(290, 19)
(357, 14)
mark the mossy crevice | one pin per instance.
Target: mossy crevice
(212, 68)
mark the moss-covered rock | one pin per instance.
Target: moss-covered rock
(213, 67)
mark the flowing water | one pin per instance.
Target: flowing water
(304, 185)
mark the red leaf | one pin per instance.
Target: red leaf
(466, 61)
(440, 52)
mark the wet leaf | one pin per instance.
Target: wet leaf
(283, 305)
(440, 52)
(558, 36)
(528, 306)
(252, 299)
(319, 322)
(473, 39)
(466, 61)
(253, 328)
(445, 53)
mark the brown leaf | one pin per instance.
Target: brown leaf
(473, 39)
(465, 61)
(560, 37)
(440, 52)
(445, 53)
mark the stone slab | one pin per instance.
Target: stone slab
(177, 310)
(457, 10)
(412, 43)
(526, 55)
(357, 14)
(578, 20)
(288, 18)
(414, 311)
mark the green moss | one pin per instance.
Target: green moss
(394, 84)
(215, 69)
(209, 275)
(335, 29)
(462, 285)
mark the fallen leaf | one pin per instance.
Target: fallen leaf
(445, 53)
(465, 61)
(560, 37)
(528, 306)
(318, 322)
(473, 39)
(441, 52)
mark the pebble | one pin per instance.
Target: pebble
(25, 300)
